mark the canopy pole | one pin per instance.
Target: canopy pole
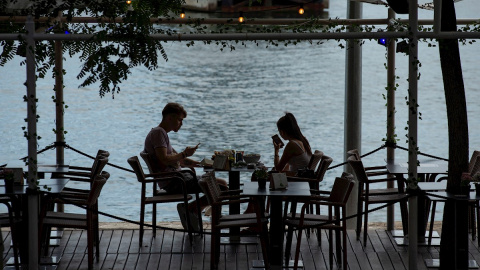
(391, 114)
(412, 135)
(59, 107)
(353, 103)
(32, 146)
(59, 124)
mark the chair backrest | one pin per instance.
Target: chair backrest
(210, 187)
(97, 186)
(147, 160)
(474, 165)
(212, 191)
(103, 153)
(322, 167)
(137, 168)
(358, 169)
(314, 159)
(98, 165)
(342, 187)
(355, 153)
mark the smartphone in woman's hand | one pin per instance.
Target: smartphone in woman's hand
(276, 139)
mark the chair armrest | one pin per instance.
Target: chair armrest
(79, 168)
(318, 192)
(75, 190)
(231, 192)
(378, 180)
(376, 173)
(166, 178)
(228, 202)
(375, 168)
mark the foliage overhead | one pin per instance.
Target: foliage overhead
(107, 62)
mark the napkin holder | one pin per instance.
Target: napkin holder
(278, 181)
(221, 163)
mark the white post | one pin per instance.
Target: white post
(32, 147)
(412, 134)
(391, 114)
(353, 104)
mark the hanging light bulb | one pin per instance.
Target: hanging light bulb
(182, 13)
(129, 2)
(240, 17)
(301, 10)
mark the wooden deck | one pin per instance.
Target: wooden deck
(172, 250)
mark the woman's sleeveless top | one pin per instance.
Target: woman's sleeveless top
(300, 161)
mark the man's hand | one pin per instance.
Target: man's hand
(189, 151)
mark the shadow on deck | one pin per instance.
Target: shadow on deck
(172, 250)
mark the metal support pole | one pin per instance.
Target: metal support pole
(59, 124)
(353, 103)
(412, 134)
(437, 16)
(32, 147)
(391, 114)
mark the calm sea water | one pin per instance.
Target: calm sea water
(233, 100)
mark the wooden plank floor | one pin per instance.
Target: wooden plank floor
(119, 249)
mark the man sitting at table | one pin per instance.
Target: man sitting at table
(166, 159)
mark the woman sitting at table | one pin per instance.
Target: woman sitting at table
(297, 152)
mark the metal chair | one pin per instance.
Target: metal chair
(78, 221)
(217, 199)
(334, 221)
(160, 196)
(11, 219)
(368, 195)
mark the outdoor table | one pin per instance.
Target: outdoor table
(461, 201)
(42, 167)
(277, 227)
(18, 194)
(427, 167)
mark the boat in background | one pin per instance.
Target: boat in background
(252, 6)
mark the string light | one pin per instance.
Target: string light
(182, 13)
(301, 10)
(240, 17)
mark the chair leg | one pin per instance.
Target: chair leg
(142, 220)
(90, 247)
(404, 214)
(472, 221)
(265, 244)
(199, 214)
(154, 220)
(13, 233)
(477, 210)
(365, 225)
(189, 223)
(297, 251)
(330, 247)
(338, 246)
(319, 231)
(344, 247)
(432, 219)
(288, 244)
(359, 217)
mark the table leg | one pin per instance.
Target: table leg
(234, 183)
(421, 224)
(276, 232)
